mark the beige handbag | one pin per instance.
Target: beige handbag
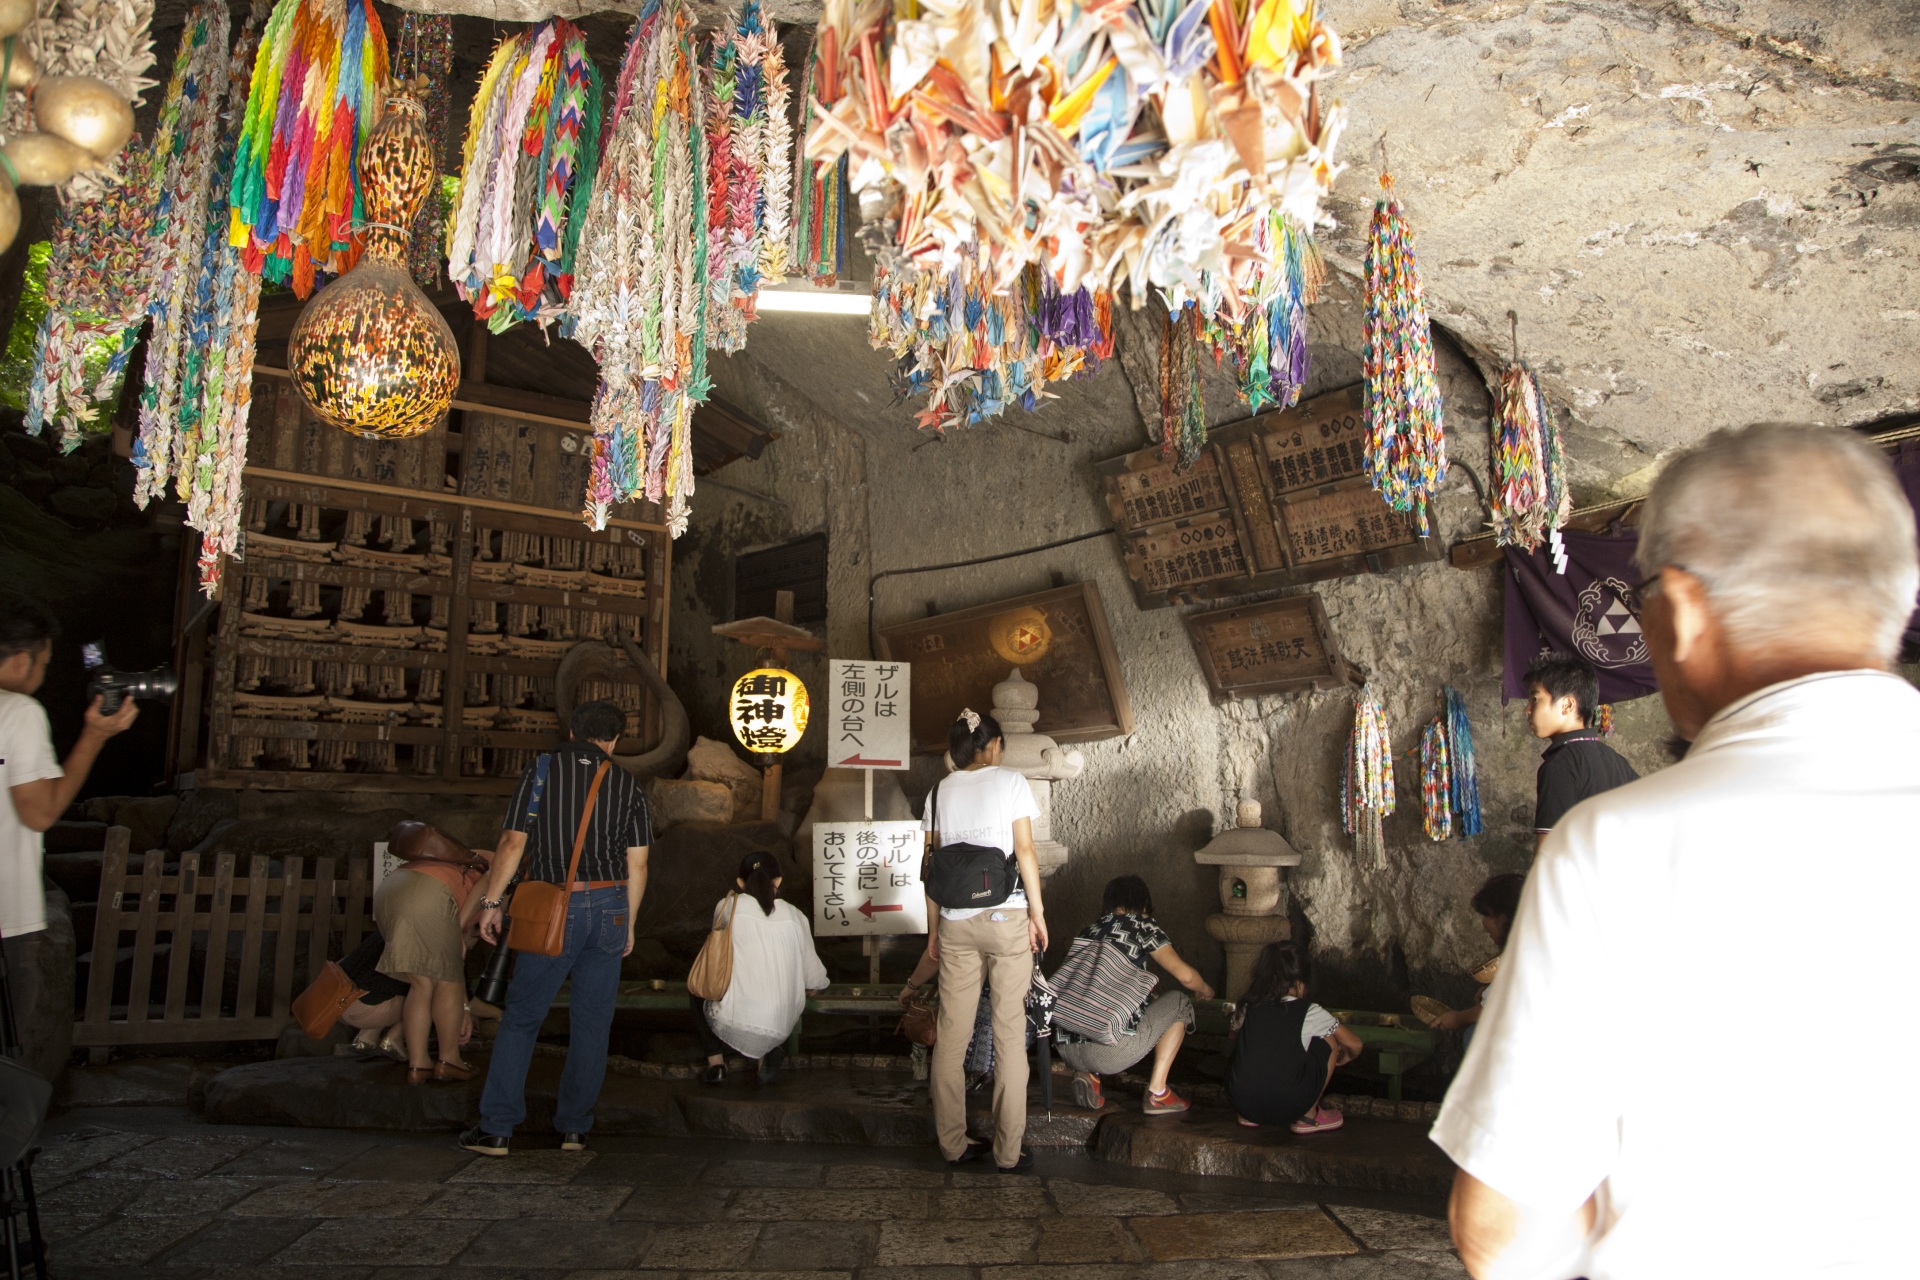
(712, 971)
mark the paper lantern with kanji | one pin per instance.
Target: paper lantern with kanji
(768, 710)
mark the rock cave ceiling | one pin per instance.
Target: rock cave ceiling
(1704, 212)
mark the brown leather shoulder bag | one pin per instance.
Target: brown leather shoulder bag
(537, 916)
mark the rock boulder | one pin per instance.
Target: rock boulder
(714, 761)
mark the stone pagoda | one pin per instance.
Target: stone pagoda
(1016, 705)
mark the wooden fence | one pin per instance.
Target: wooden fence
(217, 952)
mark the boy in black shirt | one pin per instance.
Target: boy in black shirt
(1561, 694)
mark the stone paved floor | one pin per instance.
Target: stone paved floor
(142, 1192)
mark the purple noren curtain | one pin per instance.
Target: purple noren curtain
(1591, 611)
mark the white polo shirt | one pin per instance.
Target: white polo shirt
(1700, 1011)
(26, 755)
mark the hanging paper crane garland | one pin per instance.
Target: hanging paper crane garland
(1449, 775)
(640, 294)
(1162, 148)
(313, 99)
(1529, 498)
(531, 148)
(1366, 779)
(185, 157)
(749, 169)
(1405, 451)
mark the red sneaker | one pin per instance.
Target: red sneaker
(1166, 1103)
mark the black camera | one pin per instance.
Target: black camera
(112, 686)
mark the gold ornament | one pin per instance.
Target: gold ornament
(15, 14)
(23, 70)
(85, 111)
(9, 213)
(370, 354)
(45, 160)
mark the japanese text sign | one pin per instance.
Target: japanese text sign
(866, 878)
(871, 727)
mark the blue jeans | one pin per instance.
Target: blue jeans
(590, 957)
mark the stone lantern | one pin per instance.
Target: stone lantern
(1016, 705)
(1253, 895)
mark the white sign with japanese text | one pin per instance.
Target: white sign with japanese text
(870, 724)
(866, 878)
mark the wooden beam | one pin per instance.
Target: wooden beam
(450, 499)
(531, 405)
(1480, 550)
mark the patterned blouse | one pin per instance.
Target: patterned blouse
(1138, 937)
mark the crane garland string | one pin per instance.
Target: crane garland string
(1405, 450)
(749, 159)
(1183, 403)
(95, 294)
(210, 450)
(640, 295)
(183, 160)
(1466, 770)
(972, 352)
(526, 177)
(1529, 498)
(423, 51)
(316, 91)
(1366, 779)
(1436, 782)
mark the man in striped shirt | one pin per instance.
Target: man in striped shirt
(537, 844)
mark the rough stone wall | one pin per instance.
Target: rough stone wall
(1704, 214)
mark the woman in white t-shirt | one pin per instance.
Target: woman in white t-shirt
(774, 966)
(981, 803)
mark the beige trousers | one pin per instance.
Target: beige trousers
(998, 951)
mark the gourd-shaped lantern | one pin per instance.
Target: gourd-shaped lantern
(370, 354)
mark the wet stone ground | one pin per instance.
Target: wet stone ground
(155, 1192)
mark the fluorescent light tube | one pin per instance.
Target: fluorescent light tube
(832, 302)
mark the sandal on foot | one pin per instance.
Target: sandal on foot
(1319, 1120)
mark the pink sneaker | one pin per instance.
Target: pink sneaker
(1164, 1104)
(1319, 1120)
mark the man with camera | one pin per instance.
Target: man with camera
(38, 789)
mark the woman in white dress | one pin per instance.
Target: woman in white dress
(774, 966)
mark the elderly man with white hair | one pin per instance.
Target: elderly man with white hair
(1700, 954)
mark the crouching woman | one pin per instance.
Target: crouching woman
(1285, 1048)
(774, 966)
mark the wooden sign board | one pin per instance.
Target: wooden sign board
(1274, 647)
(1275, 501)
(1058, 639)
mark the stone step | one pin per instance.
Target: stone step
(1366, 1154)
(840, 1106)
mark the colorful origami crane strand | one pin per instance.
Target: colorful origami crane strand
(1183, 402)
(1529, 498)
(971, 352)
(97, 290)
(749, 159)
(1405, 452)
(424, 51)
(531, 148)
(1366, 780)
(1466, 771)
(315, 94)
(183, 159)
(1436, 782)
(217, 389)
(640, 294)
(1140, 142)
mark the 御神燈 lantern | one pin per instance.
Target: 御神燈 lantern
(768, 710)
